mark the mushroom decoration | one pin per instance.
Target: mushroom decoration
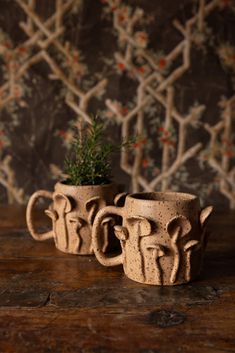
(137, 227)
(54, 216)
(188, 248)
(195, 245)
(75, 239)
(154, 273)
(122, 234)
(177, 228)
(119, 199)
(140, 227)
(204, 216)
(62, 206)
(92, 206)
(107, 223)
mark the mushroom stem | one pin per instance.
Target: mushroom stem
(157, 268)
(153, 263)
(188, 266)
(75, 237)
(54, 216)
(92, 207)
(122, 235)
(188, 248)
(107, 222)
(175, 248)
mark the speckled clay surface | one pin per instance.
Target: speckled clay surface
(72, 212)
(163, 237)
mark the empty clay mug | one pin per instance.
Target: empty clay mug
(72, 212)
(163, 237)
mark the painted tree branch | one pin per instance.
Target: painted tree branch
(154, 85)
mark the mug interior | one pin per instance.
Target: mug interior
(163, 196)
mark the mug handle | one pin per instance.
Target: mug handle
(30, 219)
(96, 236)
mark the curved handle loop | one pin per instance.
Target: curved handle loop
(29, 216)
(96, 236)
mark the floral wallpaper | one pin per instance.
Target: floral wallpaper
(162, 72)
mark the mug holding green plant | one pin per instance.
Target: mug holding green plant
(76, 200)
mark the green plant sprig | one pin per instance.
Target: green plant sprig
(89, 160)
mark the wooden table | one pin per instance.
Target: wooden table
(52, 302)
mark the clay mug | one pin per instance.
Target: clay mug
(72, 213)
(163, 237)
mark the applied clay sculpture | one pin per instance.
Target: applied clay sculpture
(72, 213)
(163, 237)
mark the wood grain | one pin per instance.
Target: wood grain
(53, 302)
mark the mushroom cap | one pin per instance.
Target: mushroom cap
(52, 214)
(190, 244)
(121, 232)
(159, 248)
(119, 199)
(143, 224)
(107, 220)
(91, 201)
(77, 220)
(179, 224)
(59, 198)
(205, 214)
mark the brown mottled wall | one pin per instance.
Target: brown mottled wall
(161, 70)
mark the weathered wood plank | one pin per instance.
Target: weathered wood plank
(153, 329)
(54, 302)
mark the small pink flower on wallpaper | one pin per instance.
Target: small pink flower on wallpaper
(228, 148)
(162, 63)
(119, 108)
(141, 69)
(108, 114)
(125, 110)
(166, 136)
(139, 143)
(123, 14)
(226, 54)
(66, 137)
(120, 67)
(4, 140)
(141, 39)
(22, 50)
(145, 163)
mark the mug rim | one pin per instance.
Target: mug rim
(162, 196)
(63, 184)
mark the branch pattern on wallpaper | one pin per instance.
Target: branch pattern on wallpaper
(155, 76)
(17, 62)
(154, 83)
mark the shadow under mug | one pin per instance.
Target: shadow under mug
(163, 237)
(72, 212)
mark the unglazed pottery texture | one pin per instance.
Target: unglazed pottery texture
(163, 237)
(72, 213)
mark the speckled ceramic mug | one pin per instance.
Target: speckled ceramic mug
(163, 237)
(72, 213)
